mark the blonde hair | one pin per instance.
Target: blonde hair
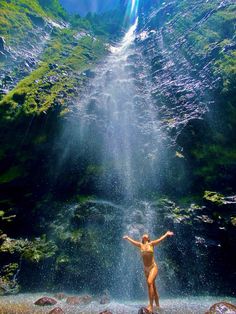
(145, 235)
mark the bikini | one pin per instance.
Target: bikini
(150, 251)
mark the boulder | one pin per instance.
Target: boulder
(144, 310)
(75, 300)
(222, 308)
(60, 296)
(57, 310)
(45, 301)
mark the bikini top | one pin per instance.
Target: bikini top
(150, 250)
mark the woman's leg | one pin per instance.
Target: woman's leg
(156, 297)
(150, 281)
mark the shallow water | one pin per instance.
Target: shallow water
(24, 304)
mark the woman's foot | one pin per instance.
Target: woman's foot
(157, 309)
(150, 308)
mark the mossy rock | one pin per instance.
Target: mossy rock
(233, 221)
(214, 197)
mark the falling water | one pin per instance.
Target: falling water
(118, 129)
(117, 116)
(115, 132)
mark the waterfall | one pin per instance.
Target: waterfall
(118, 124)
(115, 134)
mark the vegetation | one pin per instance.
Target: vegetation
(54, 83)
(39, 231)
(214, 197)
(18, 17)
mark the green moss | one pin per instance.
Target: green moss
(47, 86)
(62, 259)
(233, 221)
(9, 271)
(76, 236)
(11, 174)
(34, 251)
(39, 249)
(16, 21)
(84, 198)
(204, 29)
(214, 197)
(226, 66)
(10, 19)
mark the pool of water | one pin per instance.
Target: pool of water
(24, 304)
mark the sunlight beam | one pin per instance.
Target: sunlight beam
(131, 11)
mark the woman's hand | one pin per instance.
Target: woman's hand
(125, 237)
(169, 233)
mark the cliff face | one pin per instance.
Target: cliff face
(45, 60)
(190, 47)
(184, 60)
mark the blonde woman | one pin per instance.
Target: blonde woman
(146, 247)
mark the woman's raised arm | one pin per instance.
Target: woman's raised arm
(167, 234)
(135, 243)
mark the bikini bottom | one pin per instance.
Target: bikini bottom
(147, 269)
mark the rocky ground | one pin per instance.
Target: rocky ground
(24, 304)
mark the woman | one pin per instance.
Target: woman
(150, 267)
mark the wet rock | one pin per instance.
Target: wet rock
(213, 199)
(57, 310)
(205, 219)
(60, 296)
(45, 301)
(3, 50)
(8, 287)
(143, 310)
(37, 20)
(65, 54)
(81, 34)
(222, 308)
(229, 47)
(3, 237)
(53, 66)
(2, 44)
(7, 79)
(89, 73)
(75, 300)
(2, 55)
(8, 275)
(193, 131)
(71, 90)
(29, 63)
